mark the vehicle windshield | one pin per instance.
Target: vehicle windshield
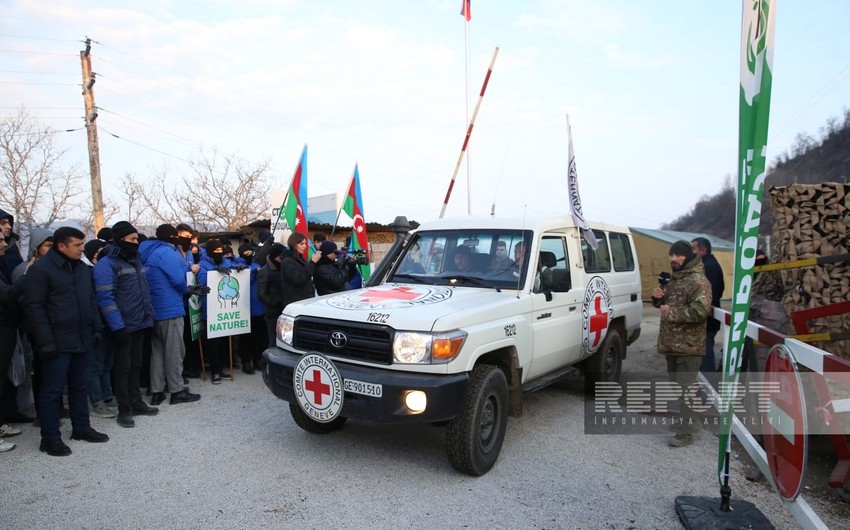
(492, 258)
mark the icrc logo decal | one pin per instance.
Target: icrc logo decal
(596, 313)
(391, 297)
(318, 387)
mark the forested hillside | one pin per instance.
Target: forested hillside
(810, 161)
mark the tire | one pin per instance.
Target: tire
(605, 365)
(310, 425)
(474, 438)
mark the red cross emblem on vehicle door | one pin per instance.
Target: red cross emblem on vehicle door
(317, 387)
(598, 320)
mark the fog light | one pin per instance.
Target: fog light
(416, 401)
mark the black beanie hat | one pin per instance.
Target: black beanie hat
(245, 247)
(682, 248)
(165, 232)
(327, 247)
(275, 251)
(212, 244)
(122, 229)
(91, 248)
(105, 234)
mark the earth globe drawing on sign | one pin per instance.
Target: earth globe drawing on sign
(228, 292)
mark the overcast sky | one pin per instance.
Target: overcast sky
(651, 88)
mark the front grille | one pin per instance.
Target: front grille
(366, 342)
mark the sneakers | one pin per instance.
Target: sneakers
(102, 411)
(681, 440)
(54, 447)
(216, 379)
(140, 408)
(6, 431)
(157, 398)
(184, 396)
(6, 446)
(91, 436)
(126, 421)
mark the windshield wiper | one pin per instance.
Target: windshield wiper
(417, 279)
(465, 279)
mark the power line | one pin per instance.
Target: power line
(65, 54)
(36, 38)
(143, 145)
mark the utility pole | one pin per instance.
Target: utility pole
(91, 131)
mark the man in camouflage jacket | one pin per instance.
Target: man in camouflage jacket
(685, 305)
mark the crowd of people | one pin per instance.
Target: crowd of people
(100, 320)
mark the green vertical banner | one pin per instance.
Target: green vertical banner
(757, 33)
(195, 315)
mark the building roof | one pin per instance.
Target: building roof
(671, 236)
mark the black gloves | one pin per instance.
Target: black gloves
(223, 270)
(197, 290)
(239, 267)
(48, 351)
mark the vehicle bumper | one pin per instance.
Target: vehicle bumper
(445, 393)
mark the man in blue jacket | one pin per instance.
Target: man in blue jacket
(64, 322)
(125, 303)
(166, 270)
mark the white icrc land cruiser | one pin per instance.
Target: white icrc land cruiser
(461, 317)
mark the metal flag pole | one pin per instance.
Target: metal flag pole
(469, 132)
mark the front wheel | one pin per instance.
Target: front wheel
(474, 438)
(310, 425)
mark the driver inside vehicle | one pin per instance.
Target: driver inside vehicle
(462, 259)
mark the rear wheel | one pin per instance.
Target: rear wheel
(605, 365)
(310, 425)
(474, 438)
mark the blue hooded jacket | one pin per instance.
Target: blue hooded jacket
(122, 291)
(166, 273)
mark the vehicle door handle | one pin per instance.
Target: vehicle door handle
(573, 308)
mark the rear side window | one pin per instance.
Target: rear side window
(598, 260)
(621, 251)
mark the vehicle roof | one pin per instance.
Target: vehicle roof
(539, 222)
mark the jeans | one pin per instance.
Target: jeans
(73, 369)
(100, 385)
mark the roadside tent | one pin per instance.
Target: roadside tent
(652, 247)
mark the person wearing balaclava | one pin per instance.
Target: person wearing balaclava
(167, 267)
(269, 291)
(251, 346)
(12, 257)
(125, 303)
(215, 349)
(685, 304)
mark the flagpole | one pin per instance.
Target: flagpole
(469, 132)
(286, 196)
(466, 100)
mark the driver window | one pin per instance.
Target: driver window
(553, 265)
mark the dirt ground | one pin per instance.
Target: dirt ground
(643, 357)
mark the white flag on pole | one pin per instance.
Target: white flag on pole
(575, 198)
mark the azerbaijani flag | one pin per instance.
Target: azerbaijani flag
(353, 207)
(294, 209)
(757, 34)
(466, 11)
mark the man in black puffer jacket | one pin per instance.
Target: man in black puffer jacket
(64, 321)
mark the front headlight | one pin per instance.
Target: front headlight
(285, 325)
(422, 348)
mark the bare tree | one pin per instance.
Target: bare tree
(38, 191)
(220, 192)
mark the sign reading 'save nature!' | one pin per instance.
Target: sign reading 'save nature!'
(229, 303)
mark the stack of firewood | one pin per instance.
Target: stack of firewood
(812, 221)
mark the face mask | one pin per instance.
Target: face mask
(184, 242)
(128, 249)
(248, 259)
(217, 258)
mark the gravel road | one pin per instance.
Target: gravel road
(235, 459)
